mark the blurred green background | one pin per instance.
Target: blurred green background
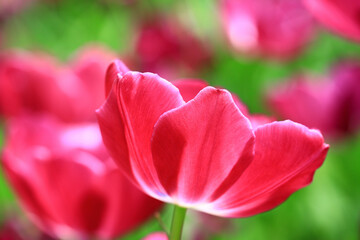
(328, 209)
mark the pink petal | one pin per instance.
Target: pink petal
(57, 179)
(189, 88)
(202, 147)
(275, 28)
(342, 16)
(115, 69)
(345, 98)
(286, 157)
(128, 207)
(127, 119)
(21, 186)
(156, 236)
(113, 131)
(309, 103)
(258, 120)
(242, 107)
(65, 181)
(90, 66)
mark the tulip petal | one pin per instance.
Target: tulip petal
(128, 208)
(127, 119)
(113, 131)
(259, 120)
(242, 107)
(115, 69)
(342, 16)
(189, 88)
(92, 210)
(286, 157)
(29, 199)
(304, 102)
(198, 145)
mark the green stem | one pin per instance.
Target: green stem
(177, 223)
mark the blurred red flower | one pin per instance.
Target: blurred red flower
(67, 183)
(38, 83)
(204, 154)
(272, 28)
(330, 104)
(164, 46)
(341, 16)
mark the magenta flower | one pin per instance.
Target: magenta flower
(66, 182)
(341, 16)
(330, 104)
(33, 83)
(205, 153)
(156, 236)
(10, 7)
(164, 45)
(270, 28)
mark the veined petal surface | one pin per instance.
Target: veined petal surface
(127, 120)
(286, 157)
(202, 147)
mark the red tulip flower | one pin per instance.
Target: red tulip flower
(66, 182)
(340, 16)
(33, 83)
(272, 28)
(331, 104)
(164, 46)
(204, 153)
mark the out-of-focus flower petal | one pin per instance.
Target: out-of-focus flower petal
(166, 47)
(331, 105)
(271, 28)
(70, 188)
(346, 97)
(303, 102)
(37, 83)
(189, 88)
(259, 120)
(341, 16)
(156, 236)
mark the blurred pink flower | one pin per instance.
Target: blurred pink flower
(66, 182)
(341, 16)
(32, 82)
(210, 225)
(272, 28)
(205, 153)
(331, 104)
(156, 236)
(166, 47)
(9, 7)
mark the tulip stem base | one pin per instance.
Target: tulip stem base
(177, 223)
